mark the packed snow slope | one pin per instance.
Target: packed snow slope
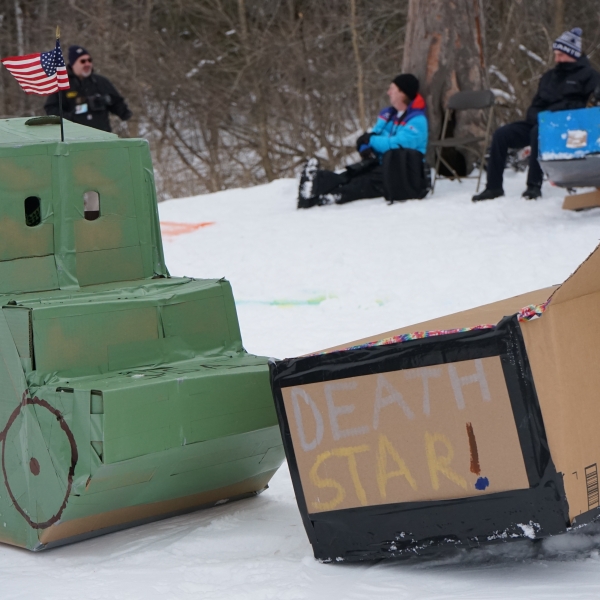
(306, 280)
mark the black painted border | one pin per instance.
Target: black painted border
(393, 530)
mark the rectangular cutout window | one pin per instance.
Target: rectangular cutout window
(91, 205)
(33, 211)
(96, 403)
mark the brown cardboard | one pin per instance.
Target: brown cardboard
(420, 434)
(564, 354)
(485, 314)
(585, 280)
(582, 201)
(478, 427)
(563, 347)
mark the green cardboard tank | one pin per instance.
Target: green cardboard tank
(125, 394)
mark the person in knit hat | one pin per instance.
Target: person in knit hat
(569, 43)
(91, 98)
(401, 125)
(568, 85)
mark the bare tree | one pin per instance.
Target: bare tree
(559, 18)
(238, 92)
(359, 67)
(445, 48)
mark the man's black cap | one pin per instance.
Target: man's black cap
(75, 52)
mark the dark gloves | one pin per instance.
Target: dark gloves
(595, 97)
(98, 102)
(363, 147)
(366, 152)
(363, 140)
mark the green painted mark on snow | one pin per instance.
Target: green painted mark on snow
(288, 303)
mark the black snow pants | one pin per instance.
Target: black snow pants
(353, 184)
(514, 135)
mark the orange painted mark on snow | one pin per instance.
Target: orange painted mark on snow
(169, 228)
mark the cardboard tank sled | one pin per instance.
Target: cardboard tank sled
(570, 153)
(125, 394)
(475, 428)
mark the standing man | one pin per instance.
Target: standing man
(91, 96)
(568, 85)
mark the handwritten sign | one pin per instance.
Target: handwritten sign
(430, 433)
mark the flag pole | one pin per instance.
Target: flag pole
(60, 108)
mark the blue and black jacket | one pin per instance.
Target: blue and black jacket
(401, 130)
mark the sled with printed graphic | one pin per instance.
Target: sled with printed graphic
(570, 153)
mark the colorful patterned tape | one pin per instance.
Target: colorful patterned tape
(533, 311)
(528, 313)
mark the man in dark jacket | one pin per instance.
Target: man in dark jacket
(91, 97)
(568, 85)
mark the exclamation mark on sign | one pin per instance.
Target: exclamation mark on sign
(482, 482)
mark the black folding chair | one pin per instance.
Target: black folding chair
(479, 100)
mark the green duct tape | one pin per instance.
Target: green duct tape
(64, 233)
(142, 402)
(12, 376)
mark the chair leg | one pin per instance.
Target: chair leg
(435, 174)
(485, 143)
(454, 173)
(438, 150)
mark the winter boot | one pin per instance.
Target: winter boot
(306, 199)
(325, 199)
(533, 192)
(488, 194)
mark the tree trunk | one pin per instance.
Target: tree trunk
(444, 48)
(559, 17)
(359, 68)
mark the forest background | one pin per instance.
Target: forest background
(235, 93)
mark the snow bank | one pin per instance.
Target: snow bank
(305, 280)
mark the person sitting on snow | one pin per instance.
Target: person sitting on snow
(568, 85)
(401, 125)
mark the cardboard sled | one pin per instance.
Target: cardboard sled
(475, 428)
(125, 394)
(570, 153)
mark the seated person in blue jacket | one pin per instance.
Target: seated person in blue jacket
(401, 125)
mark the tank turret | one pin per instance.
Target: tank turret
(125, 394)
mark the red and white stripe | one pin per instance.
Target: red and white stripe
(28, 71)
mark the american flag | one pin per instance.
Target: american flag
(42, 73)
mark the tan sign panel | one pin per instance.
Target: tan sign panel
(431, 433)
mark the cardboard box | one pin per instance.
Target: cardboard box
(126, 395)
(583, 201)
(477, 427)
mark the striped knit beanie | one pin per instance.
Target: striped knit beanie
(569, 42)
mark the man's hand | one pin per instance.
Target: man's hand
(363, 140)
(594, 99)
(366, 151)
(98, 102)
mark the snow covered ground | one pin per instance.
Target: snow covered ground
(306, 280)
